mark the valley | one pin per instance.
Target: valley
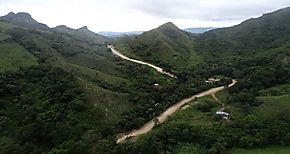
(66, 90)
(168, 112)
(160, 70)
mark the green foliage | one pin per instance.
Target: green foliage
(166, 46)
(149, 100)
(13, 56)
(274, 107)
(189, 148)
(250, 37)
(268, 150)
(4, 26)
(247, 132)
(46, 109)
(206, 106)
(42, 109)
(277, 90)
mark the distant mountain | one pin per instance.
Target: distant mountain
(111, 34)
(63, 29)
(85, 34)
(119, 34)
(198, 30)
(82, 33)
(23, 19)
(166, 45)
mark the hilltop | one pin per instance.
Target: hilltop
(63, 91)
(166, 45)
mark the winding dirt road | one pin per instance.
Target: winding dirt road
(159, 69)
(171, 110)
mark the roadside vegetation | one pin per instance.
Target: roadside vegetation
(62, 93)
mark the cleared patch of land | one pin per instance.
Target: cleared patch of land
(274, 107)
(268, 150)
(13, 56)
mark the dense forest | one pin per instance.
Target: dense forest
(246, 131)
(43, 110)
(63, 91)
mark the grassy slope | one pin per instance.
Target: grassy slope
(13, 56)
(3, 36)
(93, 61)
(277, 90)
(110, 102)
(189, 149)
(268, 150)
(166, 45)
(274, 107)
(252, 37)
(90, 65)
(4, 26)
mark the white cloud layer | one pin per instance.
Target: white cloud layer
(130, 15)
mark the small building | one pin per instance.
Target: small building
(156, 84)
(210, 80)
(213, 79)
(223, 114)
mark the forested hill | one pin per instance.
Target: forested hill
(166, 45)
(63, 91)
(58, 91)
(72, 92)
(268, 32)
(256, 53)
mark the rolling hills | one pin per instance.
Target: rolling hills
(253, 36)
(25, 42)
(63, 91)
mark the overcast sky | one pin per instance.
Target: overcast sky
(133, 15)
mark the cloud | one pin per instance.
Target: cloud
(208, 9)
(128, 15)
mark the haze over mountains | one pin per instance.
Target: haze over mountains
(63, 91)
(25, 19)
(195, 30)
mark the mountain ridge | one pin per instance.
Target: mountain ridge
(167, 45)
(270, 30)
(24, 19)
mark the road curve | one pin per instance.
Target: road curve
(170, 111)
(159, 69)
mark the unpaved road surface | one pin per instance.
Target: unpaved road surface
(160, 70)
(217, 100)
(170, 111)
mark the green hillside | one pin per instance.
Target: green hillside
(166, 46)
(91, 63)
(253, 36)
(81, 34)
(63, 91)
(275, 107)
(269, 150)
(255, 53)
(13, 56)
